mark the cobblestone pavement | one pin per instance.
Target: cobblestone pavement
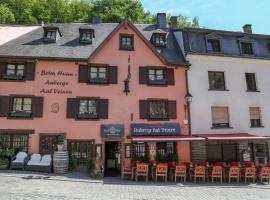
(46, 187)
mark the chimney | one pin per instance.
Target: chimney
(174, 22)
(161, 20)
(96, 20)
(247, 28)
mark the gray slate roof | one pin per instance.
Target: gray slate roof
(31, 45)
(195, 42)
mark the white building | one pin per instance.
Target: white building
(229, 79)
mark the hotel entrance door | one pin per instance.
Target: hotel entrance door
(112, 158)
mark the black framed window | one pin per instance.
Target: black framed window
(21, 107)
(81, 151)
(48, 143)
(14, 71)
(246, 48)
(221, 152)
(98, 75)
(216, 80)
(255, 117)
(251, 82)
(156, 76)
(88, 108)
(50, 35)
(213, 45)
(86, 37)
(158, 109)
(19, 142)
(126, 42)
(159, 40)
(166, 148)
(139, 149)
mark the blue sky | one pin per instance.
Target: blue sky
(218, 14)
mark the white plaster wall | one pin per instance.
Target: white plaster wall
(237, 99)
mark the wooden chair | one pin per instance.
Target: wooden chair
(180, 171)
(234, 173)
(142, 170)
(199, 173)
(250, 173)
(127, 170)
(265, 174)
(217, 173)
(162, 171)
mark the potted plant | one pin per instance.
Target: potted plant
(60, 144)
(5, 157)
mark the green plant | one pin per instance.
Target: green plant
(175, 157)
(89, 164)
(72, 163)
(161, 158)
(60, 140)
(144, 159)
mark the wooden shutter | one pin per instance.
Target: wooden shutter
(143, 75)
(220, 115)
(254, 112)
(30, 69)
(144, 109)
(83, 73)
(113, 74)
(72, 107)
(172, 109)
(4, 106)
(2, 69)
(37, 106)
(103, 108)
(170, 76)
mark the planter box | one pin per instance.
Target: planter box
(21, 114)
(12, 77)
(87, 116)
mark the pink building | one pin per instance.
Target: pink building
(115, 92)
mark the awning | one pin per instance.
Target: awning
(232, 136)
(164, 138)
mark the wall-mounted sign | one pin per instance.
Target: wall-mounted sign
(155, 129)
(112, 130)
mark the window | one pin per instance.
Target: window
(213, 45)
(50, 35)
(86, 37)
(159, 40)
(166, 148)
(139, 150)
(21, 107)
(251, 82)
(246, 48)
(88, 109)
(127, 150)
(220, 117)
(48, 143)
(221, 152)
(156, 76)
(98, 75)
(216, 81)
(158, 109)
(19, 142)
(14, 72)
(81, 151)
(126, 42)
(255, 117)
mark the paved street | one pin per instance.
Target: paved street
(44, 187)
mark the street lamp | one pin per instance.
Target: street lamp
(188, 98)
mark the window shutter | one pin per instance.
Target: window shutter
(143, 75)
(220, 115)
(144, 109)
(72, 107)
(172, 110)
(30, 69)
(83, 73)
(113, 74)
(37, 106)
(254, 112)
(4, 106)
(103, 108)
(2, 69)
(170, 76)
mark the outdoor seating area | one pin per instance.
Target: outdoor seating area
(233, 172)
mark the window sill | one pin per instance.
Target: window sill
(126, 49)
(253, 91)
(256, 126)
(13, 77)
(157, 118)
(20, 115)
(221, 127)
(219, 90)
(86, 41)
(87, 117)
(98, 81)
(158, 82)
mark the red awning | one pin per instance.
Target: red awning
(232, 136)
(164, 138)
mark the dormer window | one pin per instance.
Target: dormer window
(51, 33)
(213, 45)
(159, 40)
(86, 34)
(246, 48)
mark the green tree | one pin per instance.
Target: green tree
(80, 10)
(6, 15)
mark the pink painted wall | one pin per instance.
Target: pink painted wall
(120, 105)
